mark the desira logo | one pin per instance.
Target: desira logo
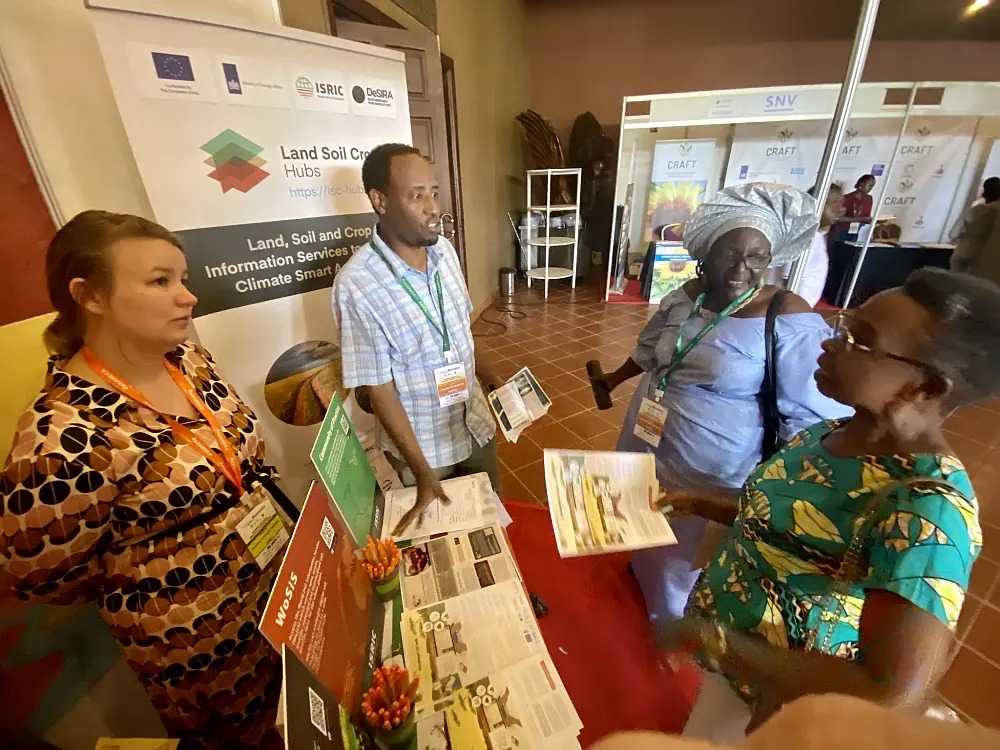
(283, 609)
(373, 96)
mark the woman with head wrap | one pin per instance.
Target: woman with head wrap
(702, 358)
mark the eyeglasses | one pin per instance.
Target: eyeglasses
(757, 262)
(842, 331)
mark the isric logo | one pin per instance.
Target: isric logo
(304, 86)
(235, 161)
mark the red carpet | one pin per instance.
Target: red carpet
(597, 616)
(632, 295)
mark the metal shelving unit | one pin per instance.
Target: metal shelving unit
(547, 272)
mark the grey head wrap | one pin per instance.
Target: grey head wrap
(785, 215)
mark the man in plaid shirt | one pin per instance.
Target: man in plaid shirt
(405, 333)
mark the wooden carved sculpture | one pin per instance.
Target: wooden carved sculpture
(546, 151)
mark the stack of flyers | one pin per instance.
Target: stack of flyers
(518, 403)
(521, 706)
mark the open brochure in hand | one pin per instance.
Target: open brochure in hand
(602, 502)
(518, 403)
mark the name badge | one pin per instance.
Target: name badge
(262, 530)
(649, 422)
(452, 385)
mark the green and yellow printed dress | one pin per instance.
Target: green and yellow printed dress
(797, 515)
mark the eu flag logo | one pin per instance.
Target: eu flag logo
(173, 67)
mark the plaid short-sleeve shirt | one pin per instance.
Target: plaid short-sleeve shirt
(385, 337)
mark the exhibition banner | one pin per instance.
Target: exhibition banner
(250, 146)
(866, 149)
(925, 176)
(679, 183)
(785, 153)
(321, 603)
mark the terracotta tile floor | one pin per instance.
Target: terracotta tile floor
(558, 336)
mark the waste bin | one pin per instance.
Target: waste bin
(506, 282)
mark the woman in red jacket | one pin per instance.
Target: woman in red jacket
(858, 203)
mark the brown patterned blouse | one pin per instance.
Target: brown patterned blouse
(100, 502)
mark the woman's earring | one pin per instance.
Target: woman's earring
(699, 270)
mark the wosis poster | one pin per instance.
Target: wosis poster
(250, 146)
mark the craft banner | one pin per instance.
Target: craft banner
(925, 176)
(679, 183)
(786, 153)
(866, 149)
(250, 146)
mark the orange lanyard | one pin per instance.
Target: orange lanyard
(228, 463)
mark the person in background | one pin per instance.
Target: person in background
(858, 204)
(129, 477)
(817, 266)
(404, 316)
(849, 553)
(974, 228)
(702, 358)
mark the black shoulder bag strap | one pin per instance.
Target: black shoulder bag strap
(769, 389)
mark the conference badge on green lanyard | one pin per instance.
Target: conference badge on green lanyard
(451, 380)
(652, 414)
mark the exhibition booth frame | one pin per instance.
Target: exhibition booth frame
(930, 143)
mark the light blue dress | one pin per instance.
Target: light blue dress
(714, 429)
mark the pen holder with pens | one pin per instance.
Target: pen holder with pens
(381, 561)
(388, 706)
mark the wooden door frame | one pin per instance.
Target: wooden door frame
(364, 12)
(454, 161)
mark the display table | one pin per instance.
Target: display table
(886, 266)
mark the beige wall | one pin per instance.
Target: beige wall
(588, 55)
(486, 41)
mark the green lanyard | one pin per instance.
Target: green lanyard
(681, 350)
(408, 288)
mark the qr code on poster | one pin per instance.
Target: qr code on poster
(317, 711)
(327, 533)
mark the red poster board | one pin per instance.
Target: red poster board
(321, 602)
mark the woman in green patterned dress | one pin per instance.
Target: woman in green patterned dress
(850, 550)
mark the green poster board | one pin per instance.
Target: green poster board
(347, 476)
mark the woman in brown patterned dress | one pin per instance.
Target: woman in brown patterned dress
(101, 499)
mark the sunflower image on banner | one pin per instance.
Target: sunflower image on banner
(678, 185)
